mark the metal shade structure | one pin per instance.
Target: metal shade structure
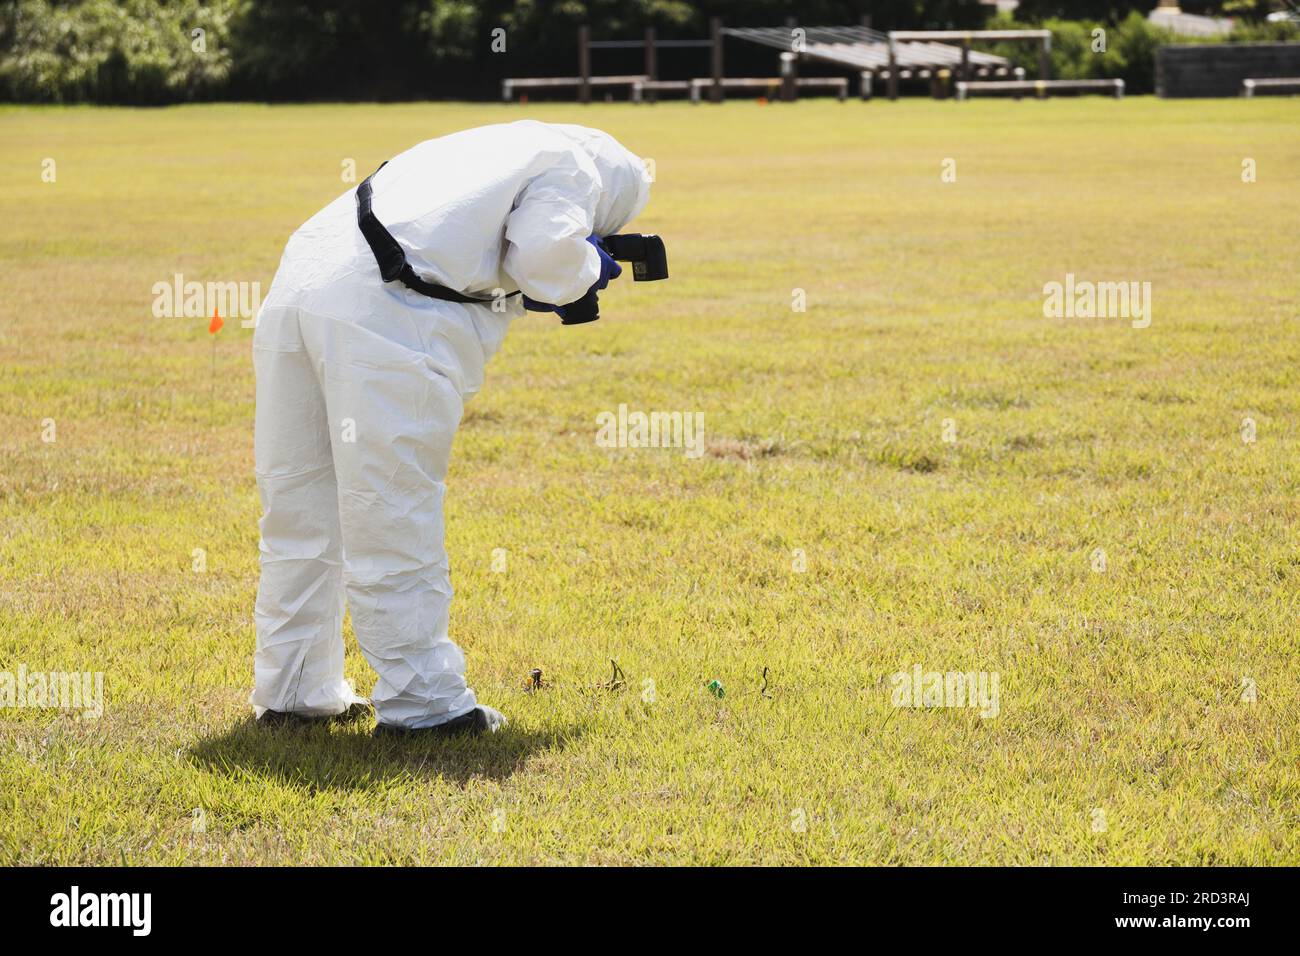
(941, 56)
(865, 49)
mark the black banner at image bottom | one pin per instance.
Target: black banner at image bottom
(1223, 906)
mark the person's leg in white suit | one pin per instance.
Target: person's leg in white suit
(358, 455)
(393, 417)
(298, 667)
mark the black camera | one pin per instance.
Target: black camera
(649, 264)
(646, 253)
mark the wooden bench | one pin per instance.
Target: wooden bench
(508, 87)
(1283, 84)
(1041, 88)
(840, 84)
(642, 87)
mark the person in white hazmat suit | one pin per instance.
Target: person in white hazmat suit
(360, 387)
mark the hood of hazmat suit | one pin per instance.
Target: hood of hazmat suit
(361, 385)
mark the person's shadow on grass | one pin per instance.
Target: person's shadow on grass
(342, 757)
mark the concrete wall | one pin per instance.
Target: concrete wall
(1217, 69)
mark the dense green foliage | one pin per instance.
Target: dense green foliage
(1094, 49)
(1098, 49)
(148, 51)
(139, 51)
(145, 51)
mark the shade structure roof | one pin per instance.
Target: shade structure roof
(863, 48)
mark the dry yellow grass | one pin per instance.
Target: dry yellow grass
(1122, 734)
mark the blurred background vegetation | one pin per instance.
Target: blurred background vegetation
(151, 51)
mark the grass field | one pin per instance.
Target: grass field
(1149, 702)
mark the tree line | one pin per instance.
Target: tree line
(167, 51)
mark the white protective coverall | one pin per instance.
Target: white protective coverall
(360, 389)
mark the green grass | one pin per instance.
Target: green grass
(1120, 691)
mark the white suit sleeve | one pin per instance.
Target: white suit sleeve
(547, 252)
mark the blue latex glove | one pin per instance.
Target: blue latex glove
(609, 268)
(532, 305)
